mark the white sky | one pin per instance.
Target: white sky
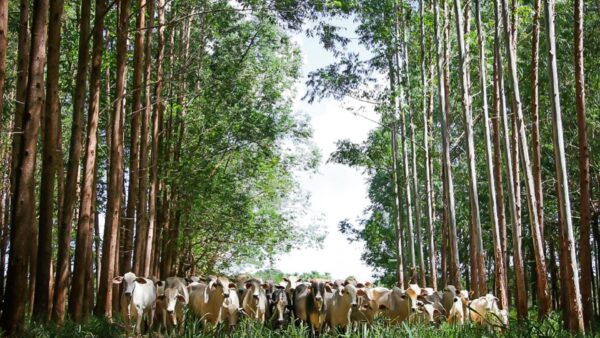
(337, 191)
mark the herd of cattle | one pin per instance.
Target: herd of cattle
(318, 303)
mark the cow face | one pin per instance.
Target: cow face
(317, 292)
(413, 292)
(279, 299)
(129, 279)
(292, 282)
(490, 302)
(220, 284)
(350, 292)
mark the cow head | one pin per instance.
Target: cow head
(413, 292)
(292, 282)
(349, 292)
(490, 302)
(220, 284)
(317, 293)
(129, 278)
(280, 301)
(170, 297)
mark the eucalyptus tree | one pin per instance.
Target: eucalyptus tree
(571, 289)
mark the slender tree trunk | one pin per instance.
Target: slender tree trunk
(24, 209)
(500, 108)
(571, 268)
(395, 178)
(142, 214)
(446, 164)
(156, 121)
(83, 251)
(427, 156)
(136, 116)
(41, 306)
(585, 254)
(479, 283)
(63, 261)
(23, 56)
(115, 174)
(538, 241)
(498, 252)
(3, 49)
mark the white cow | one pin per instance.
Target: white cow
(484, 311)
(143, 296)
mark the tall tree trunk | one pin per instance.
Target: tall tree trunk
(134, 159)
(572, 278)
(538, 240)
(479, 282)
(395, 174)
(115, 173)
(156, 122)
(585, 254)
(83, 242)
(501, 281)
(50, 158)
(24, 209)
(427, 155)
(3, 49)
(142, 213)
(446, 164)
(23, 54)
(66, 219)
(500, 108)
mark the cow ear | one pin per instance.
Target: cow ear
(299, 280)
(285, 279)
(360, 285)
(141, 280)
(181, 298)
(232, 286)
(280, 287)
(248, 285)
(266, 286)
(188, 280)
(471, 294)
(161, 297)
(328, 288)
(159, 283)
(361, 292)
(118, 280)
(382, 307)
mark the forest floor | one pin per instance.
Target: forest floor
(95, 327)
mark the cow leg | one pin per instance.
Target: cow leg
(138, 325)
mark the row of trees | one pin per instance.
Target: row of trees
(180, 141)
(486, 145)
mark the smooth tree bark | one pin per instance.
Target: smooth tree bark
(535, 117)
(50, 158)
(76, 142)
(478, 280)
(83, 252)
(24, 225)
(115, 173)
(454, 263)
(538, 240)
(585, 254)
(127, 237)
(499, 265)
(500, 108)
(570, 263)
(427, 156)
(156, 122)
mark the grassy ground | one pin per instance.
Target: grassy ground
(96, 327)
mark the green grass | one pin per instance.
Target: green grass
(97, 327)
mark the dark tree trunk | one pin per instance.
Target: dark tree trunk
(24, 208)
(83, 253)
(50, 159)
